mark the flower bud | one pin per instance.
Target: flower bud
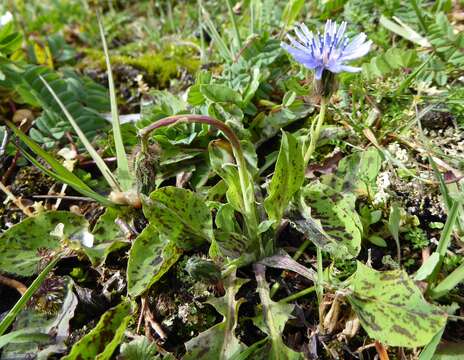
(203, 270)
(146, 164)
(326, 85)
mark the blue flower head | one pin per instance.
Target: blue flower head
(329, 51)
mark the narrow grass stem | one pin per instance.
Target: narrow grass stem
(296, 256)
(234, 24)
(298, 294)
(200, 28)
(445, 239)
(246, 181)
(315, 132)
(124, 176)
(319, 287)
(9, 318)
(252, 17)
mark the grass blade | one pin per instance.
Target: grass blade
(106, 172)
(124, 175)
(445, 236)
(21, 303)
(60, 173)
(238, 42)
(223, 50)
(86, 191)
(449, 283)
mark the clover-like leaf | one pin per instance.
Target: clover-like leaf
(391, 308)
(139, 349)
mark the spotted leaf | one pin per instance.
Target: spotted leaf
(287, 179)
(150, 257)
(329, 219)
(391, 308)
(103, 339)
(180, 215)
(271, 320)
(21, 245)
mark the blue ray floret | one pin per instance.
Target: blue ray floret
(329, 51)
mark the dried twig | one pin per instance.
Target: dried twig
(16, 200)
(150, 320)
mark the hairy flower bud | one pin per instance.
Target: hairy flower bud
(203, 270)
(146, 164)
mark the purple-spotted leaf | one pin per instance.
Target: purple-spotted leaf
(103, 339)
(180, 215)
(329, 219)
(219, 342)
(21, 245)
(287, 179)
(150, 257)
(391, 308)
(222, 162)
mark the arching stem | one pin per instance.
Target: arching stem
(246, 181)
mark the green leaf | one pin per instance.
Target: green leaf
(59, 172)
(428, 351)
(139, 349)
(287, 179)
(83, 98)
(394, 226)
(108, 237)
(41, 334)
(220, 156)
(291, 11)
(404, 30)
(150, 257)
(330, 221)
(427, 267)
(103, 339)
(124, 175)
(272, 321)
(219, 342)
(220, 94)
(392, 309)
(386, 63)
(358, 172)
(377, 240)
(20, 245)
(181, 215)
(106, 172)
(449, 283)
